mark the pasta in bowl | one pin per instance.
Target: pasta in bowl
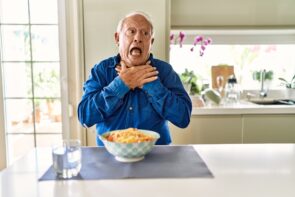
(129, 145)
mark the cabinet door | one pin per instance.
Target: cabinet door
(100, 20)
(225, 129)
(269, 129)
(181, 136)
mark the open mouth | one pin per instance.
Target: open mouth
(135, 51)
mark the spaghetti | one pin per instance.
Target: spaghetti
(130, 135)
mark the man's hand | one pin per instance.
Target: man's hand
(137, 76)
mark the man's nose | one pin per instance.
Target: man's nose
(138, 37)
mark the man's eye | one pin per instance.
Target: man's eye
(131, 31)
(146, 33)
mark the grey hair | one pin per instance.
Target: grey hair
(146, 16)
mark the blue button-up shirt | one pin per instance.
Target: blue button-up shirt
(111, 105)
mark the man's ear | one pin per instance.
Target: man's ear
(152, 40)
(117, 38)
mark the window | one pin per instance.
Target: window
(248, 51)
(30, 67)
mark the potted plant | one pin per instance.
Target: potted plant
(190, 83)
(288, 84)
(290, 87)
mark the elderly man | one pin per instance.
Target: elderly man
(134, 89)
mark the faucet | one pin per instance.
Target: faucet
(263, 92)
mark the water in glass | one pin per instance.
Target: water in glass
(67, 158)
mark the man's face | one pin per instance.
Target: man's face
(135, 40)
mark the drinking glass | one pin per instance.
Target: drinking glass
(66, 157)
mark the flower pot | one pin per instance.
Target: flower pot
(290, 93)
(197, 101)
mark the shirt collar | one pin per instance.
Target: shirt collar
(117, 59)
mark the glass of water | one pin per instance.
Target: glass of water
(66, 156)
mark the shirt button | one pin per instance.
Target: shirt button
(130, 108)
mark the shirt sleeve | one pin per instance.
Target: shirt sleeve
(100, 99)
(169, 98)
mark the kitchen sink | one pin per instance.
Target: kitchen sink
(273, 101)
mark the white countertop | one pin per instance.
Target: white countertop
(243, 107)
(264, 170)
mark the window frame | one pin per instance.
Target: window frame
(63, 72)
(239, 36)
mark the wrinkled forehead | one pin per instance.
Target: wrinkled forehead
(137, 21)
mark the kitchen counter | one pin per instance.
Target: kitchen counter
(264, 170)
(244, 107)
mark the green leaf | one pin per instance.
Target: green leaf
(189, 77)
(282, 79)
(287, 84)
(257, 75)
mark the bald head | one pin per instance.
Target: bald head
(144, 15)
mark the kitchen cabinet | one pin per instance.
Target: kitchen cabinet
(239, 13)
(209, 129)
(245, 128)
(269, 128)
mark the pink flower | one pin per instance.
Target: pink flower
(203, 47)
(198, 39)
(209, 40)
(171, 37)
(181, 38)
(203, 43)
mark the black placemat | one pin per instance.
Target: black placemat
(161, 162)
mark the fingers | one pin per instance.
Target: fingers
(118, 69)
(147, 80)
(136, 76)
(148, 74)
(144, 73)
(123, 66)
(144, 69)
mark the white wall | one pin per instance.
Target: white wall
(201, 13)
